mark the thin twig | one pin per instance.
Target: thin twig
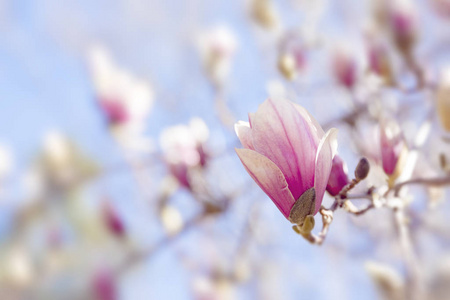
(437, 181)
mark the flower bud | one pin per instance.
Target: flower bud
(217, 47)
(443, 100)
(115, 111)
(112, 220)
(184, 148)
(264, 13)
(393, 148)
(379, 62)
(288, 155)
(403, 25)
(338, 176)
(171, 219)
(442, 7)
(362, 169)
(292, 56)
(344, 68)
(103, 285)
(181, 173)
(287, 66)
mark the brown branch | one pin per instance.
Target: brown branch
(437, 181)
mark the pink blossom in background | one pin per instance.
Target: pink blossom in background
(338, 177)
(442, 7)
(125, 99)
(217, 47)
(345, 68)
(392, 145)
(184, 148)
(115, 112)
(113, 220)
(104, 286)
(403, 24)
(378, 57)
(286, 152)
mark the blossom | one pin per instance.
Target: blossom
(183, 147)
(288, 155)
(104, 285)
(403, 24)
(393, 148)
(112, 219)
(345, 67)
(378, 57)
(217, 47)
(292, 56)
(338, 177)
(124, 99)
(442, 7)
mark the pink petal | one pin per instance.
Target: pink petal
(250, 117)
(392, 144)
(338, 176)
(280, 133)
(313, 124)
(269, 178)
(243, 131)
(324, 160)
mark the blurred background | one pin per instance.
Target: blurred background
(118, 176)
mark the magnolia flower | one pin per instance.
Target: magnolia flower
(345, 68)
(338, 177)
(403, 24)
(217, 48)
(292, 57)
(183, 147)
(378, 57)
(393, 148)
(124, 99)
(288, 155)
(443, 100)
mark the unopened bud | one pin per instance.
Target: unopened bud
(362, 169)
(287, 66)
(338, 176)
(345, 68)
(393, 148)
(112, 220)
(443, 100)
(104, 286)
(379, 62)
(264, 13)
(115, 111)
(403, 23)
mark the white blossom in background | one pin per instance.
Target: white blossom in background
(125, 100)
(60, 164)
(217, 47)
(183, 148)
